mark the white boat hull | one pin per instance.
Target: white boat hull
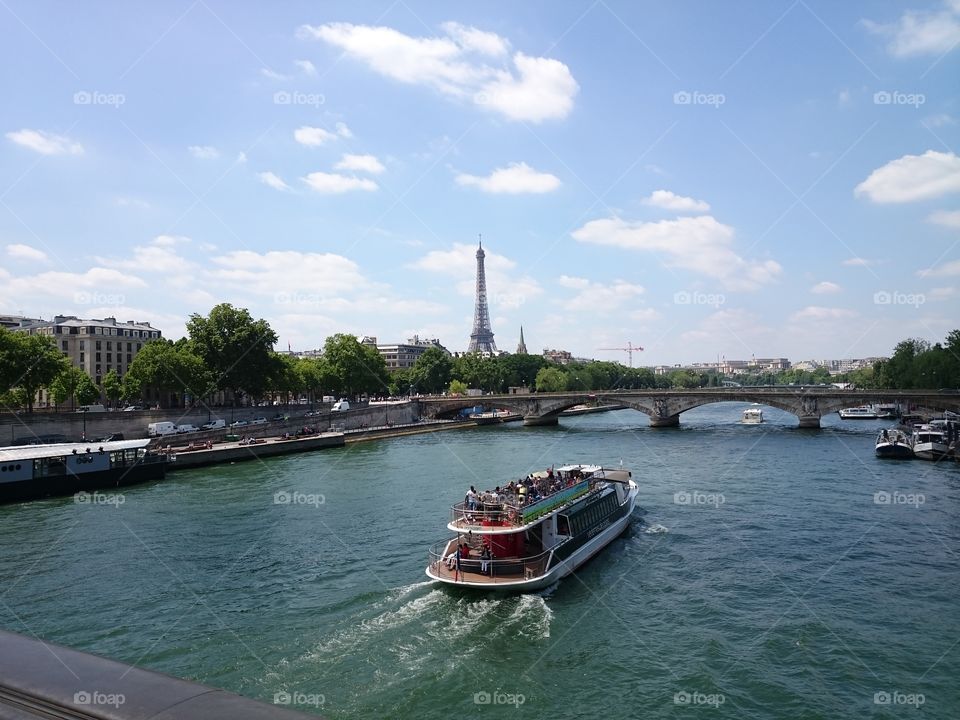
(930, 451)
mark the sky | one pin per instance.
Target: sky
(705, 180)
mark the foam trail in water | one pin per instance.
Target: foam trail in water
(656, 529)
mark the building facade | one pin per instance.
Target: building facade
(402, 356)
(95, 346)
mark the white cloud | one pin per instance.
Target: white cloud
(574, 283)
(950, 269)
(343, 131)
(825, 288)
(817, 312)
(272, 180)
(204, 152)
(523, 88)
(921, 32)
(332, 183)
(280, 273)
(939, 120)
(699, 244)
(45, 143)
(947, 218)
(942, 293)
(645, 315)
(312, 136)
(602, 297)
(25, 252)
(858, 262)
(306, 67)
(469, 38)
(157, 256)
(360, 163)
(272, 74)
(514, 179)
(913, 177)
(241, 158)
(669, 201)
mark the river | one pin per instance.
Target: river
(763, 576)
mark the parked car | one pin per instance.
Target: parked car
(91, 408)
(214, 425)
(279, 417)
(259, 421)
(311, 413)
(187, 428)
(111, 437)
(131, 408)
(239, 423)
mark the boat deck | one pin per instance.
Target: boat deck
(475, 576)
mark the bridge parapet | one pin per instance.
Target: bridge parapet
(664, 407)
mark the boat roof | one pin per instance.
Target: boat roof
(33, 452)
(581, 468)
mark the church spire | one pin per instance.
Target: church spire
(522, 347)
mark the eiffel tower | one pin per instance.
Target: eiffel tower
(481, 337)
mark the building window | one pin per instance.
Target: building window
(129, 347)
(81, 357)
(99, 380)
(98, 373)
(109, 357)
(65, 346)
(82, 344)
(109, 345)
(129, 358)
(108, 368)
(98, 357)
(139, 346)
(98, 344)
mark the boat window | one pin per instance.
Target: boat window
(563, 525)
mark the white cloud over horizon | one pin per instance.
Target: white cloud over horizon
(19, 251)
(913, 177)
(699, 244)
(669, 201)
(526, 88)
(514, 179)
(360, 163)
(921, 32)
(45, 143)
(335, 183)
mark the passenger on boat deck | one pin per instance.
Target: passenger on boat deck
(484, 557)
(471, 498)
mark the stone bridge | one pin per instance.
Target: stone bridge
(664, 407)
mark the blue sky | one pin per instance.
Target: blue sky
(701, 179)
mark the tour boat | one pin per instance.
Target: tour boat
(487, 418)
(895, 444)
(536, 535)
(929, 442)
(36, 471)
(752, 416)
(887, 411)
(864, 412)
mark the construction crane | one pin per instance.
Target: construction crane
(629, 349)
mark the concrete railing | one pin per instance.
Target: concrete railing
(43, 680)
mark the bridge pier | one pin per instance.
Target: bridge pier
(535, 420)
(810, 421)
(670, 421)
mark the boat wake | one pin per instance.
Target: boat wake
(401, 632)
(656, 529)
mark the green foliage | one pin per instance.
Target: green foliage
(357, 368)
(235, 348)
(551, 379)
(319, 379)
(457, 388)
(112, 387)
(431, 372)
(167, 368)
(477, 371)
(28, 363)
(75, 385)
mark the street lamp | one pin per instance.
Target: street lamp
(84, 436)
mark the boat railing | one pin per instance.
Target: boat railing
(510, 512)
(508, 569)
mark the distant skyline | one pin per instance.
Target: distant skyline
(776, 179)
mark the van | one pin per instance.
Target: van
(187, 428)
(329, 399)
(159, 429)
(341, 406)
(214, 425)
(91, 408)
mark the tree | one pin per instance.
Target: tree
(358, 368)
(551, 379)
(520, 370)
(73, 384)
(457, 388)
(235, 348)
(431, 371)
(319, 379)
(478, 371)
(167, 368)
(112, 387)
(36, 362)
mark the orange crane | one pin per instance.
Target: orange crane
(629, 349)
